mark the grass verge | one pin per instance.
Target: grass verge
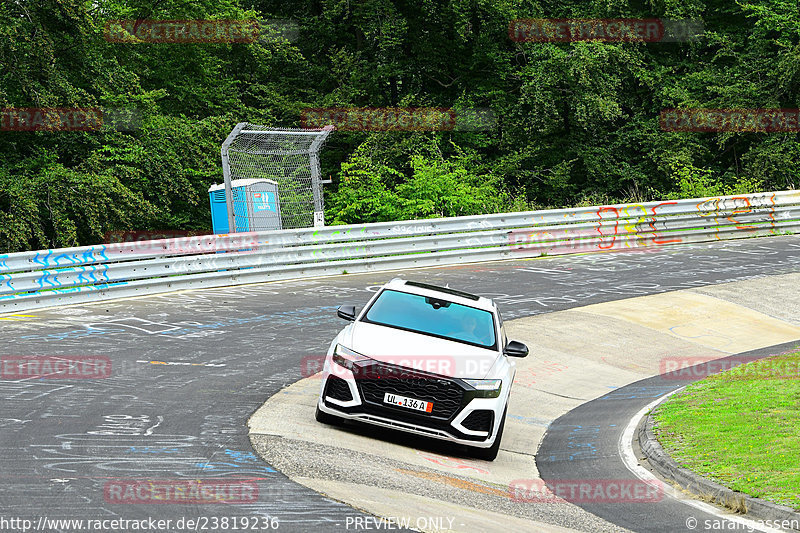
(740, 428)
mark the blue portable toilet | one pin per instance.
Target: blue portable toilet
(256, 206)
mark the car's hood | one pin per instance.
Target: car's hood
(424, 352)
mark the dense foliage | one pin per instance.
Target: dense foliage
(577, 123)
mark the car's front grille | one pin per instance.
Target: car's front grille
(338, 389)
(480, 420)
(446, 395)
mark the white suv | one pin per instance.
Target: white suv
(423, 359)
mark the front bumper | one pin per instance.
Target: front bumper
(460, 413)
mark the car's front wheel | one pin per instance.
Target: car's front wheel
(490, 454)
(326, 418)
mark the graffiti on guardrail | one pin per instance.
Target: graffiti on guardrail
(179, 242)
(615, 228)
(636, 226)
(33, 279)
(50, 258)
(729, 208)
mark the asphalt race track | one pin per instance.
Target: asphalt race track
(188, 369)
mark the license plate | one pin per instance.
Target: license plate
(408, 403)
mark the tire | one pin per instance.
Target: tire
(490, 454)
(326, 418)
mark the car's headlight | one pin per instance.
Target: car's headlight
(489, 388)
(345, 357)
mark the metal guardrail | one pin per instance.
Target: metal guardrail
(31, 280)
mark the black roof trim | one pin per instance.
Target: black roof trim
(446, 290)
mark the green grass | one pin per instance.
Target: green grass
(740, 428)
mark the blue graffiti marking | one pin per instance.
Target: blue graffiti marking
(43, 261)
(54, 260)
(235, 467)
(81, 277)
(48, 279)
(87, 288)
(69, 257)
(89, 257)
(241, 460)
(105, 272)
(242, 457)
(91, 273)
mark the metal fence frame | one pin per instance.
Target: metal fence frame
(317, 140)
(31, 280)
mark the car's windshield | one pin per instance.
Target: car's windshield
(433, 316)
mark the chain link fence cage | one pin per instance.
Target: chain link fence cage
(288, 157)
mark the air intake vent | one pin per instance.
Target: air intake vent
(479, 421)
(338, 389)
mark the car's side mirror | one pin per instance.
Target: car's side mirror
(516, 349)
(348, 312)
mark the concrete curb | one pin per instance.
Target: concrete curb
(719, 494)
